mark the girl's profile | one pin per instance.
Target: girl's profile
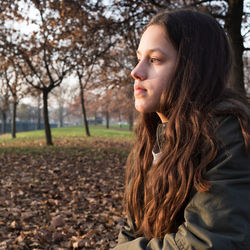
(188, 174)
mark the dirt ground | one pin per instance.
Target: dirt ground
(65, 199)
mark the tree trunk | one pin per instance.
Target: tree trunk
(4, 117)
(46, 119)
(61, 116)
(84, 116)
(107, 119)
(233, 27)
(95, 118)
(13, 121)
(130, 95)
(38, 112)
(120, 120)
(131, 120)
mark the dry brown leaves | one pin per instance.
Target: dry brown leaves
(67, 199)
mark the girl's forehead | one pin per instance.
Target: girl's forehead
(154, 32)
(155, 38)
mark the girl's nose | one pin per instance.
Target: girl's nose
(138, 73)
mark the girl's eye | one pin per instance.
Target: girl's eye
(153, 60)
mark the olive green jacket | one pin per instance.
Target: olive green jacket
(216, 219)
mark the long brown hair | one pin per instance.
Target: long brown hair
(156, 193)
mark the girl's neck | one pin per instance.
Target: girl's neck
(162, 117)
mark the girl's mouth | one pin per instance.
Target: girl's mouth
(138, 91)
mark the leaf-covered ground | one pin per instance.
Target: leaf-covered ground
(62, 198)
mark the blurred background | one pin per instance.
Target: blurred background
(65, 69)
(68, 62)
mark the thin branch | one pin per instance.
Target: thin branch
(246, 33)
(28, 61)
(47, 66)
(8, 81)
(27, 80)
(199, 2)
(89, 75)
(154, 3)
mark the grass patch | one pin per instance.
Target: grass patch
(98, 130)
(68, 140)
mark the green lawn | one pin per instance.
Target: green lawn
(67, 136)
(98, 130)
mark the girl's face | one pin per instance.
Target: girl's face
(156, 64)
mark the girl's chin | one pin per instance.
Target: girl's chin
(142, 108)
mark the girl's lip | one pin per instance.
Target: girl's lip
(139, 88)
(139, 91)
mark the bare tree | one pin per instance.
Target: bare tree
(4, 105)
(43, 57)
(12, 80)
(88, 51)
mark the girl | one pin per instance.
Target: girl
(188, 175)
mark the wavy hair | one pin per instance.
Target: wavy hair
(156, 193)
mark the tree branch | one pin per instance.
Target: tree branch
(52, 82)
(27, 60)
(27, 80)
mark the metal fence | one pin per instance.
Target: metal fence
(22, 126)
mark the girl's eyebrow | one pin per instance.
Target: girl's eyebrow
(150, 51)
